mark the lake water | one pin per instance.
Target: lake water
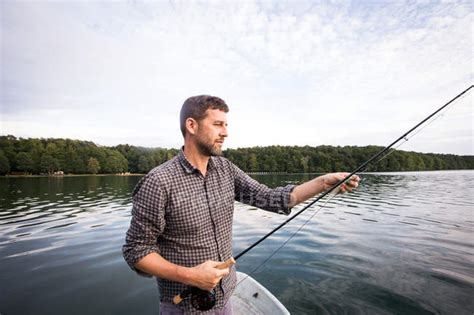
(402, 244)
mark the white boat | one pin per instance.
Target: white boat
(250, 297)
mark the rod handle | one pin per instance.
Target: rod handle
(226, 264)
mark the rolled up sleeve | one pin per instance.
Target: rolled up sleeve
(251, 192)
(147, 223)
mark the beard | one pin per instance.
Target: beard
(207, 147)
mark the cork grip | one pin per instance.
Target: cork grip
(226, 264)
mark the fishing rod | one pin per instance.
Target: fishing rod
(357, 170)
(205, 300)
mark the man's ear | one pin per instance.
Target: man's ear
(191, 126)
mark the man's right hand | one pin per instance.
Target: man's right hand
(206, 275)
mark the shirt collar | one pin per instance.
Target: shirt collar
(188, 167)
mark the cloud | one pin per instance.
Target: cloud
(293, 73)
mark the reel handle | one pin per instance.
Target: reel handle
(180, 297)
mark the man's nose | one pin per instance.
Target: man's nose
(224, 132)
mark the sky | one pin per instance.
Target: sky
(292, 72)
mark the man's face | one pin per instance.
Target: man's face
(211, 132)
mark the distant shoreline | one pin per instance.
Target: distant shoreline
(249, 173)
(73, 175)
(20, 156)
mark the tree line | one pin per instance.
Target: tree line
(324, 158)
(47, 156)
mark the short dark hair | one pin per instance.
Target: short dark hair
(195, 107)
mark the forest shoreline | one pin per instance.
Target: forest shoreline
(249, 173)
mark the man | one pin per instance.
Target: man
(181, 227)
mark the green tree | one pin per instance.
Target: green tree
(36, 151)
(7, 145)
(93, 166)
(253, 163)
(305, 164)
(143, 165)
(115, 162)
(4, 164)
(24, 162)
(77, 165)
(393, 163)
(48, 164)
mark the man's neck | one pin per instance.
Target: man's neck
(197, 159)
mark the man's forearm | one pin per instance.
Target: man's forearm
(204, 276)
(154, 264)
(306, 190)
(322, 183)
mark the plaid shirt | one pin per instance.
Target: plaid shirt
(187, 217)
